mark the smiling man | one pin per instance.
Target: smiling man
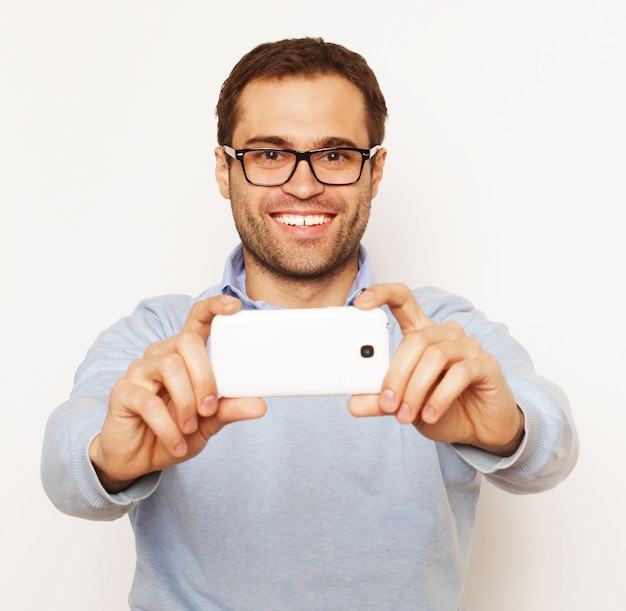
(364, 502)
(304, 235)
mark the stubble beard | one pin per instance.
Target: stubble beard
(306, 262)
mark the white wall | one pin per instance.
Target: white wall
(504, 182)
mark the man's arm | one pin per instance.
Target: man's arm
(473, 392)
(104, 452)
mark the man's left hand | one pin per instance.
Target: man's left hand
(441, 380)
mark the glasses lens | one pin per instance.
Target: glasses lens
(269, 167)
(337, 166)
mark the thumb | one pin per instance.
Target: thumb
(401, 302)
(203, 312)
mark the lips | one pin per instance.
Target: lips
(303, 220)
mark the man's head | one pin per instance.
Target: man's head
(306, 57)
(301, 118)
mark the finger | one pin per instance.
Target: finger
(232, 410)
(167, 377)
(401, 302)
(185, 374)
(365, 406)
(132, 400)
(407, 357)
(198, 370)
(457, 379)
(183, 402)
(203, 312)
(436, 360)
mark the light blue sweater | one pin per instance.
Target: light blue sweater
(308, 507)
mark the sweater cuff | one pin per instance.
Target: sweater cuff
(528, 455)
(95, 495)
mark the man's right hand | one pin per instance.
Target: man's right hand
(165, 409)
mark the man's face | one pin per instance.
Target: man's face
(302, 229)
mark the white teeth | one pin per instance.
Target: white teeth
(299, 221)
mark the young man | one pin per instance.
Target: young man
(289, 503)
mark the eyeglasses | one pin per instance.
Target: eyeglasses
(272, 167)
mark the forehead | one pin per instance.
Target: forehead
(303, 112)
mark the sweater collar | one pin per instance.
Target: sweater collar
(234, 279)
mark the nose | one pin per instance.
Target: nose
(303, 183)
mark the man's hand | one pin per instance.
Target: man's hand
(165, 409)
(441, 380)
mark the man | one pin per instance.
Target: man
(289, 503)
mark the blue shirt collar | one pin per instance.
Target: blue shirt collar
(234, 279)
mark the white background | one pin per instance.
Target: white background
(505, 182)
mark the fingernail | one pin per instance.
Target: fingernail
(191, 425)
(404, 414)
(388, 400)
(228, 300)
(180, 449)
(429, 414)
(366, 296)
(208, 406)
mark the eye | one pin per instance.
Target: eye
(338, 157)
(270, 155)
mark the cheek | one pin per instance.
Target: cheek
(237, 195)
(241, 203)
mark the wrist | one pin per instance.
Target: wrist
(110, 484)
(512, 446)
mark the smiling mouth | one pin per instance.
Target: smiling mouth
(298, 220)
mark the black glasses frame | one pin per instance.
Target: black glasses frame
(302, 156)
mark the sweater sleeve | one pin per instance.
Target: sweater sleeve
(550, 446)
(68, 475)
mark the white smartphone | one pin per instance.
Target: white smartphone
(295, 352)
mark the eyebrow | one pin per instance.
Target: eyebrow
(283, 142)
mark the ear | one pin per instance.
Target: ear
(377, 170)
(222, 172)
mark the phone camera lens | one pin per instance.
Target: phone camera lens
(367, 351)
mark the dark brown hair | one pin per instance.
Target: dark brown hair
(307, 57)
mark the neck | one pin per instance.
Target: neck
(277, 289)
